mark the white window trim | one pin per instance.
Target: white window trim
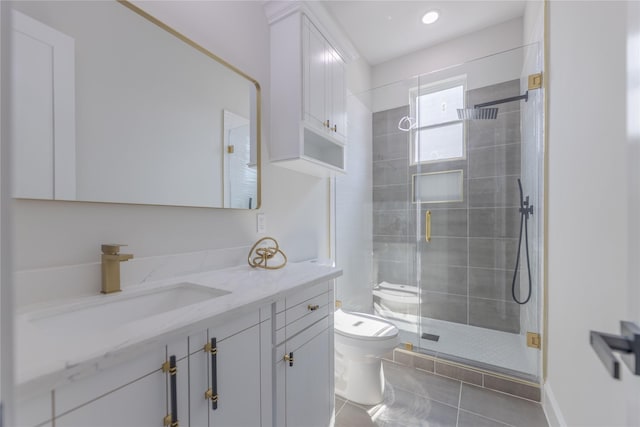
(431, 88)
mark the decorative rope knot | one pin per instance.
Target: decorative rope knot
(259, 256)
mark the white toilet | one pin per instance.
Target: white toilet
(360, 342)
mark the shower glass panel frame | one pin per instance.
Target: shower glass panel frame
(443, 269)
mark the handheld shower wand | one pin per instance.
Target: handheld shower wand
(525, 211)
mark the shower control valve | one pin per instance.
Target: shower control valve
(525, 208)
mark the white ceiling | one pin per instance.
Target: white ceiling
(384, 30)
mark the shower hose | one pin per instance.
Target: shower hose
(525, 211)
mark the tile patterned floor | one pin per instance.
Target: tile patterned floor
(415, 398)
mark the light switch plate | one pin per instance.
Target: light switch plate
(261, 223)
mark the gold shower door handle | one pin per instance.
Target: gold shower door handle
(427, 226)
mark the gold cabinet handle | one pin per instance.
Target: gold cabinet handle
(335, 128)
(289, 358)
(171, 420)
(167, 422)
(427, 226)
(208, 395)
(327, 124)
(313, 307)
(212, 394)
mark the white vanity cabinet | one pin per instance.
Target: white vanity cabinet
(304, 358)
(137, 393)
(225, 382)
(308, 98)
(230, 374)
(220, 368)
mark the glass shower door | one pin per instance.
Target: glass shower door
(446, 211)
(395, 293)
(468, 212)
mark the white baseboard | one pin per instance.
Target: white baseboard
(551, 408)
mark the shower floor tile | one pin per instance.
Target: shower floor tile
(402, 406)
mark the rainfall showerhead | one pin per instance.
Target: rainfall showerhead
(480, 112)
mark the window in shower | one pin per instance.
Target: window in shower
(438, 134)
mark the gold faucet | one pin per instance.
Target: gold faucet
(111, 260)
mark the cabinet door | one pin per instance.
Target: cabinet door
(141, 403)
(199, 379)
(308, 397)
(237, 369)
(238, 375)
(136, 393)
(338, 91)
(314, 76)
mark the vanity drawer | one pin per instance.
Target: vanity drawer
(305, 308)
(299, 303)
(306, 294)
(295, 327)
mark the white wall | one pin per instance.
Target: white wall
(495, 39)
(57, 234)
(354, 242)
(6, 286)
(472, 55)
(533, 22)
(359, 76)
(593, 200)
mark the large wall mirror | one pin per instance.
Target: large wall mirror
(110, 105)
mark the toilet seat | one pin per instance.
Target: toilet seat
(363, 326)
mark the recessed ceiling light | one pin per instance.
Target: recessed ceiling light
(430, 17)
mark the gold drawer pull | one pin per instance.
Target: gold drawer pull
(427, 221)
(313, 307)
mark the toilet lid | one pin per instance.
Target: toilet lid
(363, 326)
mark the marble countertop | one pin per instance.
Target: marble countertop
(48, 359)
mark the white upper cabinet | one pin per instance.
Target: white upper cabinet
(338, 96)
(323, 77)
(308, 98)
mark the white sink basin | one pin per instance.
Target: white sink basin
(112, 311)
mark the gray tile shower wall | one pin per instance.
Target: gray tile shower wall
(393, 244)
(466, 269)
(494, 166)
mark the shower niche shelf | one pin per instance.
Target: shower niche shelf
(308, 101)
